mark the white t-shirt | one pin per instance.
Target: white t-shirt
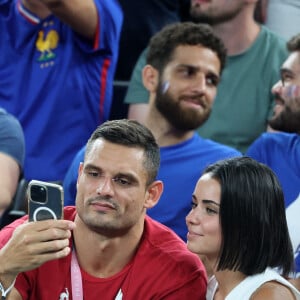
(249, 285)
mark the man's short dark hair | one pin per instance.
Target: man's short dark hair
(163, 43)
(294, 43)
(252, 217)
(132, 134)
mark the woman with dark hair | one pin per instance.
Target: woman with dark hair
(238, 222)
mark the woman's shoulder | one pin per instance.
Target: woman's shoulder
(273, 290)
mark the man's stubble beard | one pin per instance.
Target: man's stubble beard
(180, 118)
(208, 17)
(286, 121)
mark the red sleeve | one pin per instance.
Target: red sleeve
(194, 289)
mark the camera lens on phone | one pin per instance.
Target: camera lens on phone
(38, 193)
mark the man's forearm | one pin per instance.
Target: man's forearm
(80, 15)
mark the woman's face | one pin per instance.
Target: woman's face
(204, 230)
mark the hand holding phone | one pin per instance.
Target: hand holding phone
(45, 200)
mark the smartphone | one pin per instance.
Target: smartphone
(45, 200)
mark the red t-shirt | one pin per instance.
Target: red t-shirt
(163, 268)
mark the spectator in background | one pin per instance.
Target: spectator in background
(238, 222)
(283, 17)
(142, 19)
(57, 64)
(183, 68)
(281, 150)
(12, 152)
(117, 251)
(244, 101)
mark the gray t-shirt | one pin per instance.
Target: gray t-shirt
(12, 140)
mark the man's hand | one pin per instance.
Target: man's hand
(33, 244)
(80, 15)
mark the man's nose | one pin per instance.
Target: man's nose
(199, 83)
(105, 186)
(277, 88)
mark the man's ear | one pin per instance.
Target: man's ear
(153, 194)
(80, 170)
(150, 78)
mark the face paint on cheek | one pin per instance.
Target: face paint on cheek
(292, 91)
(165, 86)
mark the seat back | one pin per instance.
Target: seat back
(119, 109)
(18, 207)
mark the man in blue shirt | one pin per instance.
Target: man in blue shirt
(244, 101)
(183, 68)
(56, 71)
(281, 150)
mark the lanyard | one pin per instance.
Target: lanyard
(76, 280)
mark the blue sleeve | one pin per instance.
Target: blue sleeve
(110, 19)
(254, 150)
(70, 179)
(12, 140)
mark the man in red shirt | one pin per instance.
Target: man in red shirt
(106, 247)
